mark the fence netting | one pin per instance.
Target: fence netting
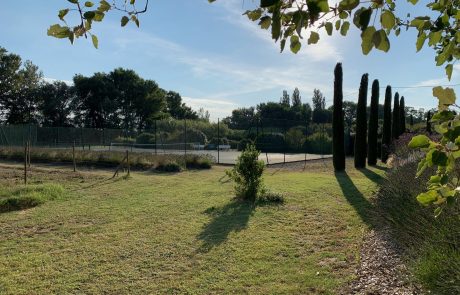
(278, 140)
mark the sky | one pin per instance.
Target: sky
(216, 58)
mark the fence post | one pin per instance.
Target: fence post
(306, 138)
(155, 131)
(25, 164)
(185, 141)
(73, 157)
(285, 143)
(218, 140)
(28, 154)
(127, 161)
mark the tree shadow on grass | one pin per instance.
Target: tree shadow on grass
(232, 217)
(374, 177)
(359, 202)
(380, 167)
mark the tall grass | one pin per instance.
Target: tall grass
(432, 244)
(19, 198)
(107, 158)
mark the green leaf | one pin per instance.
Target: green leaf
(89, 15)
(387, 19)
(268, 3)
(329, 28)
(282, 44)
(413, 1)
(362, 17)
(420, 41)
(314, 38)
(446, 97)
(89, 4)
(344, 28)
(124, 21)
(58, 31)
(276, 22)
(73, 1)
(449, 69)
(348, 4)
(419, 141)
(439, 158)
(366, 39)
(295, 44)
(434, 37)
(104, 6)
(95, 41)
(62, 13)
(265, 22)
(380, 40)
(427, 197)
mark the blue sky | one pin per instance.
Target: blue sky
(216, 58)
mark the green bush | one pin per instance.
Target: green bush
(198, 162)
(271, 143)
(145, 138)
(318, 143)
(170, 166)
(247, 174)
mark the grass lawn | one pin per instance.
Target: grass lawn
(185, 234)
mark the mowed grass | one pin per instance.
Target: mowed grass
(185, 234)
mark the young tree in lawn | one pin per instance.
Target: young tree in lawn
(373, 124)
(386, 134)
(361, 124)
(338, 148)
(396, 118)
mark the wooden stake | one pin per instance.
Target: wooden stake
(28, 154)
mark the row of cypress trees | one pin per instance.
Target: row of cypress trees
(366, 138)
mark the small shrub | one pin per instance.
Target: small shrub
(198, 162)
(247, 174)
(170, 166)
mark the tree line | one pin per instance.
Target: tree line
(118, 99)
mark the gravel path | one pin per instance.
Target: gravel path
(381, 270)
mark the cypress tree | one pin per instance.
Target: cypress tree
(428, 123)
(373, 125)
(402, 116)
(411, 121)
(395, 120)
(361, 125)
(386, 134)
(338, 142)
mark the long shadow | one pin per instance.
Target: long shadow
(359, 202)
(232, 217)
(380, 167)
(374, 177)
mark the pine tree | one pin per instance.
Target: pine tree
(361, 124)
(296, 100)
(338, 142)
(386, 134)
(402, 116)
(395, 120)
(373, 124)
(285, 100)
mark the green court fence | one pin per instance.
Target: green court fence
(279, 141)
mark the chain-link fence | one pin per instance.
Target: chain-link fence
(278, 140)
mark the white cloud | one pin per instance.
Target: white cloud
(217, 107)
